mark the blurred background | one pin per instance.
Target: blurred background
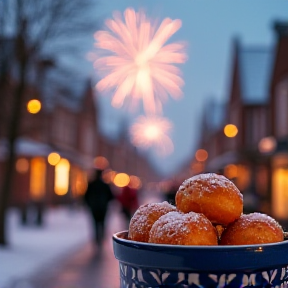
(150, 92)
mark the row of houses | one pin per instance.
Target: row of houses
(255, 158)
(57, 147)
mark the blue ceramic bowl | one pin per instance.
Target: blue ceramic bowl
(144, 265)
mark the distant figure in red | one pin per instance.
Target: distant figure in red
(129, 201)
(97, 197)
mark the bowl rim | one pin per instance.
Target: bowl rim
(117, 238)
(194, 258)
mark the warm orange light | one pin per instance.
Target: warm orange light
(243, 177)
(230, 130)
(34, 106)
(231, 171)
(109, 175)
(62, 177)
(121, 180)
(78, 182)
(135, 182)
(201, 155)
(37, 178)
(279, 195)
(22, 165)
(53, 158)
(101, 162)
(267, 145)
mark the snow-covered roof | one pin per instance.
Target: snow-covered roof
(27, 147)
(255, 68)
(31, 148)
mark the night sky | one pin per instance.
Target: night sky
(208, 28)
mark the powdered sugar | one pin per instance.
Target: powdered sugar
(208, 182)
(213, 195)
(183, 228)
(144, 218)
(260, 218)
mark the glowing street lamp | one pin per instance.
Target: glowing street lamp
(230, 130)
(201, 155)
(22, 165)
(109, 175)
(135, 182)
(267, 144)
(61, 184)
(100, 162)
(34, 106)
(231, 171)
(53, 158)
(121, 180)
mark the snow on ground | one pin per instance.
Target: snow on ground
(35, 249)
(30, 247)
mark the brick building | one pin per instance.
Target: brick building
(67, 127)
(256, 158)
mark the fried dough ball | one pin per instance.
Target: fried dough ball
(183, 229)
(253, 228)
(144, 218)
(213, 195)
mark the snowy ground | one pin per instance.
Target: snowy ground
(31, 248)
(35, 249)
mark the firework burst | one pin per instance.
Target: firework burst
(139, 65)
(152, 131)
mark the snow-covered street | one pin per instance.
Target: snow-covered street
(32, 248)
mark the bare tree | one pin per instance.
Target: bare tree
(40, 29)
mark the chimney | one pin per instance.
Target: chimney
(281, 28)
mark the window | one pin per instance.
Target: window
(78, 182)
(69, 129)
(62, 177)
(37, 178)
(64, 128)
(88, 140)
(281, 110)
(279, 195)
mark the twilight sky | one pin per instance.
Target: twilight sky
(208, 27)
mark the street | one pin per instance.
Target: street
(88, 266)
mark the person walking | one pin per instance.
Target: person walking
(97, 197)
(129, 202)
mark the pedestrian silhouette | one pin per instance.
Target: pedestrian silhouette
(129, 202)
(97, 197)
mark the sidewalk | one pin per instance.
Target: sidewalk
(60, 254)
(85, 268)
(36, 249)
